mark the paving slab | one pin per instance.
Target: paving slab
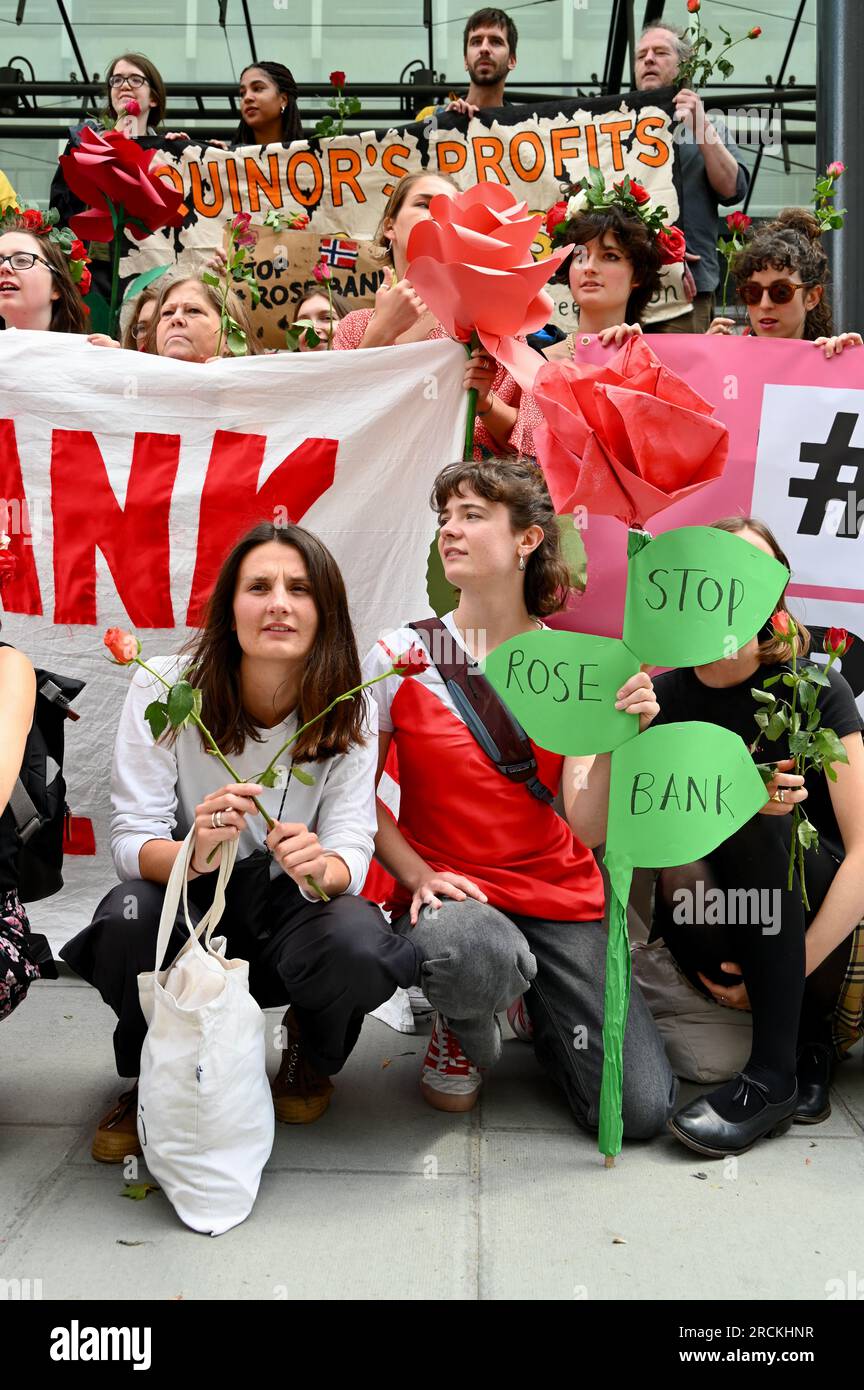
(310, 1236)
(29, 1156)
(778, 1222)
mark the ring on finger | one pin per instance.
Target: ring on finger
(216, 821)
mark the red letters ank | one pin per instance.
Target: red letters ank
(134, 539)
(232, 502)
(21, 593)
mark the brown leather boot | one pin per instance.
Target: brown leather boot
(300, 1095)
(116, 1136)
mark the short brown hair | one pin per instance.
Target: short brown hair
(234, 304)
(156, 114)
(771, 650)
(332, 667)
(491, 19)
(400, 192)
(638, 244)
(520, 485)
(68, 314)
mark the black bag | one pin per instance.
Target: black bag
(498, 732)
(38, 800)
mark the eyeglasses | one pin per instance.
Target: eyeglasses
(779, 291)
(139, 330)
(24, 260)
(132, 79)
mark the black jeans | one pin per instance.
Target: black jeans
(333, 962)
(769, 945)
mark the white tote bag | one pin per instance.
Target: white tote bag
(205, 1112)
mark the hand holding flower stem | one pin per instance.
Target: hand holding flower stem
(240, 237)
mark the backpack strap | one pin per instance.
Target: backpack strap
(498, 733)
(27, 819)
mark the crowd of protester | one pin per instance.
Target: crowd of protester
(490, 908)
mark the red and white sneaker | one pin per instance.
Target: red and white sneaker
(449, 1080)
(520, 1021)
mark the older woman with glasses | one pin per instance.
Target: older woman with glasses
(781, 276)
(36, 288)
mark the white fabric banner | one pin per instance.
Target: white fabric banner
(126, 478)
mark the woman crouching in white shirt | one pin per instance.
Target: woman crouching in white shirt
(277, 647)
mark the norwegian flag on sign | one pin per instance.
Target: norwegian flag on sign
(342, 255)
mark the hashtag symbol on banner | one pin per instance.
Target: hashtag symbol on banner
(837, 452)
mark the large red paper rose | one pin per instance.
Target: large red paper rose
(626, 439)
(471, 263)
(106, 165)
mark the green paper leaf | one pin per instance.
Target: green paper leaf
(181, 702)
(156, 715)
(562, 688)
(678, 791)
(302, 776)
(441, 594)
(144, 279)
(695, 595)
(573, 549)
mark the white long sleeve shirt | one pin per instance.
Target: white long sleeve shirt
(155, 787)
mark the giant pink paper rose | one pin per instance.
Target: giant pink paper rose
(626, 439)
(106, 165)
(471, 264)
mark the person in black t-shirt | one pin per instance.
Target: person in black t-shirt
(786, 965)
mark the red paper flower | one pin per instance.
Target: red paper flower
(636, 191)
(123, 646)
(738, 221)
(626, 439)
(337, 78)
(471, 263)
(411, 663)
(556, 214)
(783, 624)
(837, 641)
(671, 244)
(105, 165)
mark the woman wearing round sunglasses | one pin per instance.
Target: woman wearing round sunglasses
(36, 288)
(781, 276)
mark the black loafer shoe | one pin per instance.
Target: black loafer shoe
(815, 1068)
(700, 1127)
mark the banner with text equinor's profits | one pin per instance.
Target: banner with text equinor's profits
(342, 184)
(126, 478)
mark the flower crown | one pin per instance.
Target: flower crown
(591, 195)
(46, 224)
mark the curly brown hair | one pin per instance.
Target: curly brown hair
(520, 485)
(332, 666)
(792, 241)
(68, 314)
(771, 649)
(636, 242)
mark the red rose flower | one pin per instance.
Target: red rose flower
(104, 164)
(754, 33)
(321, 272)
(837, 641)
(556, 214)
(132, 107)
(738, 221)
(32, 218)
(337, 78)
(78, 251)
(671, 244)
(411, 663)
(693, 5)
(123, 646)
(783, 624)
(636, 191)
(836, 168)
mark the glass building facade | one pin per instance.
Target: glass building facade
(561, 42)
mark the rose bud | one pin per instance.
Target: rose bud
(411, 663)
(837, 641)
(783, 625)
(123, 646)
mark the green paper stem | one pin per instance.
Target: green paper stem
(616, 1004)
(118, 222)
(468, 452)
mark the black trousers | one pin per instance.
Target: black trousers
(333, 962)
(788, 1012)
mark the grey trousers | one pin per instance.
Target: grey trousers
(478, 961)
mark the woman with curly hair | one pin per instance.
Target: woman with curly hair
(782, 277)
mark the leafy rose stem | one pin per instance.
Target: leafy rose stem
(796, 848)
(217, 752)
